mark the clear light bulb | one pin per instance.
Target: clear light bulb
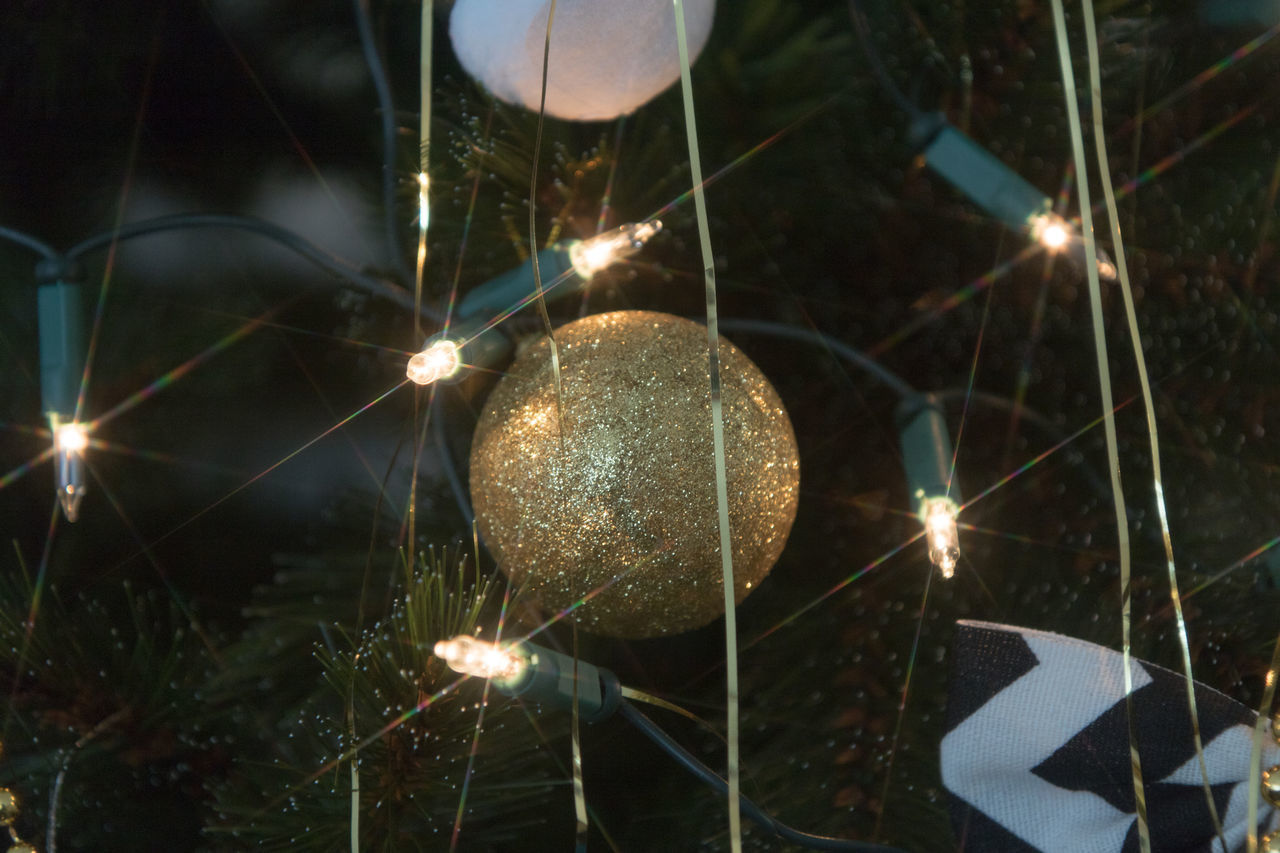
(592, 255)
(438, 361)
(471, 656)
(70, 440)
(939, 517)
(1051, 231)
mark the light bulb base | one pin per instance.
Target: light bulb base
(536, 674)
(511, 289)
(549, 680)
(62, 342)
(927, 457)
(984, 178)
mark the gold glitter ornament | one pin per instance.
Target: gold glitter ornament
(22, 847)
(620, 509)
(8, 807)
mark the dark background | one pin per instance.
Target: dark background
(116, 112)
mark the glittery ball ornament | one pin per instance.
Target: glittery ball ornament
(617, 509)
(607, 57)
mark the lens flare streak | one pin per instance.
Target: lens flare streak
(179, 372)
(256, 477)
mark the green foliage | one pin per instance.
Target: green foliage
(104, 720)
(410, 726)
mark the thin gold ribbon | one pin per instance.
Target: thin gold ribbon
(533, 229)
(717, 434)
(1153, 436)
(1108, 415)
(657, 701)
(579, 789)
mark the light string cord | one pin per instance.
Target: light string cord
(717, 436)
(445, 454)
(1109, 421)
(40, 247)
(388, 122)
(690, 762)
(296, 243)
(862, 28)
(855, 357)
(1153, 435)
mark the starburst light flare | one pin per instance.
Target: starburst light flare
(70, 440)
(1051, 231)
(597, 253)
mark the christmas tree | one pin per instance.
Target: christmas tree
(232, 646)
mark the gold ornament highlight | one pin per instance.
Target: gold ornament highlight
(617, 510)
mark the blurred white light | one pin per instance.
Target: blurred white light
(438, 361)
(470, 656)
(599, 252)
(70, 440)
(1051, 231)
(424, 204)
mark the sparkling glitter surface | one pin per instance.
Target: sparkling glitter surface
(624, 515)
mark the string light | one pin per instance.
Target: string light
(602, 251)
(543, 676)
(566, 268)
(535, 674)
(939, 517)
(470, 656)
(441, 360)
(928, 459)
(70, 440)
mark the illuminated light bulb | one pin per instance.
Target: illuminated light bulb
(70, 440)
(939, 517)
(592, 255)
(1051, 231)
(439, 361)
(470, 656)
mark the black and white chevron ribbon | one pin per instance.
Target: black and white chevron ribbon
(1036, 754)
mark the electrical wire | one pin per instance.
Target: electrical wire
(862, 29)
(445, 454)
(387, 115)
(283, 236)
(41, 248)
(686, 759)
(884, 375)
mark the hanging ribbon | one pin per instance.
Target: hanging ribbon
(1036, 752)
